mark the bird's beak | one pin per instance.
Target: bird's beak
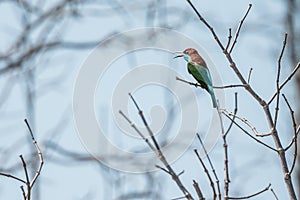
(180, 54)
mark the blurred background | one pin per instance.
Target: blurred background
(43, 46)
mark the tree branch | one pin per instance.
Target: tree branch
(245, 121)
(295, 133)
(247, 133)
(211, 166)
(212, 185)
(264, 105)
(285, 82)
(277, 80)
(160, 154)
(197, 188)
(239, 29)
(253, 195)
(215, 87)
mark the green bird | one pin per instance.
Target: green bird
(198, 68)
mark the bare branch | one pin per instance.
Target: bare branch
(23, 192)
(285, 82)
(39, 155)
(27, 181)
(229, 39)
(252, 195)
(27, 178)
(207, 25)
(295, 133)
(212, 185)
(225, 145)
(160, 155)
(239, 29)
(178, 198)
(211, 165)
(145, 123)
(245, 121)
(138, 131)
(293, 140)
(234, 114)
(264, 105)
(197, 188)
(277, 80)
(13, 177)
(163, 169)
(247, 133)
(215, 87)
(249, 75)
(273, 192)
(190, 83)
(229, 86)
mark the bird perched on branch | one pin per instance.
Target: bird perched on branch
(198, 68)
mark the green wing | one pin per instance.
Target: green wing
(202, 75)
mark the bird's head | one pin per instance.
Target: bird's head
(186, 54)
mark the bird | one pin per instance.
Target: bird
(198, 69)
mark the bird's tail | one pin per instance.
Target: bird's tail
(213, 97)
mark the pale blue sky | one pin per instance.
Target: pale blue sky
(252, 166)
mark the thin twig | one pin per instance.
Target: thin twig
(37, 174)
(180, 173)
(25, 168)
(207, 24)
(212, 185)
(252, 195)
(211, 166)
(215, 87)
(27, 177)
(13, 177)
(188, 82)
(23, 192)
(137, 130)
(198, 191)
(145, 123)
(29, 184)
(234, 114)
(249, 75)
(239, 28)
(225, 145)
(229, 39)
(178, 198)
(295, 133)
(278, 79)
(285, 82)
(163, 169)
(247, 133)
(293, 140)
(229, 86)
(245, 121)
(273, 192)
(160, 155)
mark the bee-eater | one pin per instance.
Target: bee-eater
(198, 68)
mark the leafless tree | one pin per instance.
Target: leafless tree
(290, 23)
(42, 31)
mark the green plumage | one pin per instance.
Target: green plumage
(202, 75)
(198, 69)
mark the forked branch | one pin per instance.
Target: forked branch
(29, 184)
(265, 106)
(157, 150)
